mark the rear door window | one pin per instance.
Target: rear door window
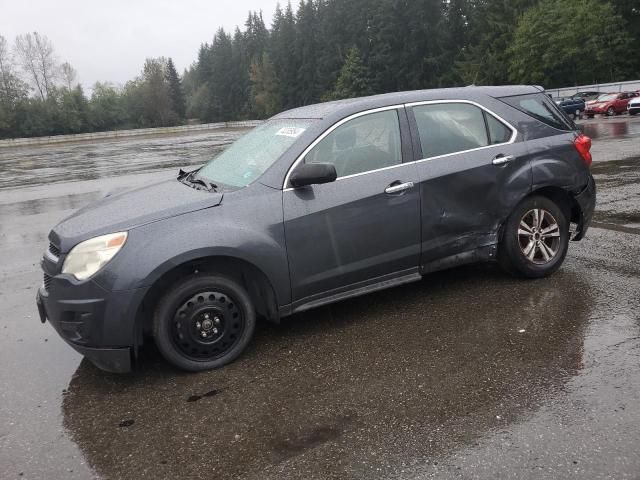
(539, 107)
(446, 128)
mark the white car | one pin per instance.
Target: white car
(633, 107)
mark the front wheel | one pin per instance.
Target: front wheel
(611, 112)
(535, 239)
(203, 322)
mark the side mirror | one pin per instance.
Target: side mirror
(313, 174)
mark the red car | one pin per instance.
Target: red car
(609, 104)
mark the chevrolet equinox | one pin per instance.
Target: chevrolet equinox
(319, 204)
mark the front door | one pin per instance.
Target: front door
(363, 228)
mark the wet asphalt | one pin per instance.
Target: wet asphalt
(467, 374)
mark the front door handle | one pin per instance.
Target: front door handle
(401, 187)
(501, 159)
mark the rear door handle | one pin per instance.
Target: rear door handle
(501, 159)
(401, 187)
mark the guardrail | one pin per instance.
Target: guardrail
(631, 86)
(139, 132)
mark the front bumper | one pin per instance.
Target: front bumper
(586, 200)
(96, 323)
(115, 360)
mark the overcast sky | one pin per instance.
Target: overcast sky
(109, 40)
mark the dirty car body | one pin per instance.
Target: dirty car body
(361, 195)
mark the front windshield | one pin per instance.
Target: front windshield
(606, 98)
(249, 157)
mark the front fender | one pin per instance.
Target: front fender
(249, 229)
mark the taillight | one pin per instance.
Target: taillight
(583, 145)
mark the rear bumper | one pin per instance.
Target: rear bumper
(586, 200)
(94, 322)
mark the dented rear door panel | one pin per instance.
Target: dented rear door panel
(465, 198)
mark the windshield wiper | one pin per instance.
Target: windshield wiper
(195, 181)
(205, 183)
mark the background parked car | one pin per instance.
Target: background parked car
(573, 107)
(586, 96)
(633, 107)
(609, 104)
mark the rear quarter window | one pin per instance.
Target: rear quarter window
(538, 106)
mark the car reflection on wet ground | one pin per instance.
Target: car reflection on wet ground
(467, 374)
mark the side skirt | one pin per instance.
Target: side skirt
(381, 283)
(477, 255)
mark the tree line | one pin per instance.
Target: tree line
(331, 49)
(41, 96)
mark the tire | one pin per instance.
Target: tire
(549, 251)
(203, 322)
(611, 112)
(632, 113)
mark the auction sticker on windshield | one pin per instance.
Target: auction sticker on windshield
(293, 132)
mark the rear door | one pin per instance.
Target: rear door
(472, 174)
(363, 228)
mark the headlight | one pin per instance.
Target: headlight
(86, 258)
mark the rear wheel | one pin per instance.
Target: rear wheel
(611, 112)
(203, 322)
(535, 239)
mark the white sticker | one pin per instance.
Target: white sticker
(292, 132)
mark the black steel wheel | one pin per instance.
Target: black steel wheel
(203, 322)
(535, 238)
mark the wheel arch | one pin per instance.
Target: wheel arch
(247, 274)
(559, 196)
(563, 199)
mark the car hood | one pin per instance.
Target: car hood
(130, 209)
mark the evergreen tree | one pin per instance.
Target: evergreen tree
(557, 26)
(492, 24)
(354, 79)
(220, 106)
(240, 83)
(176, 94)
(264, 88)
(306, 52)
(282, 54)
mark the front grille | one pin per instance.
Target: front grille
(47, 281)
(53, 250)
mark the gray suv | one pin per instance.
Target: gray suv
(316, 205)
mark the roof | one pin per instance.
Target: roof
(324, 110)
